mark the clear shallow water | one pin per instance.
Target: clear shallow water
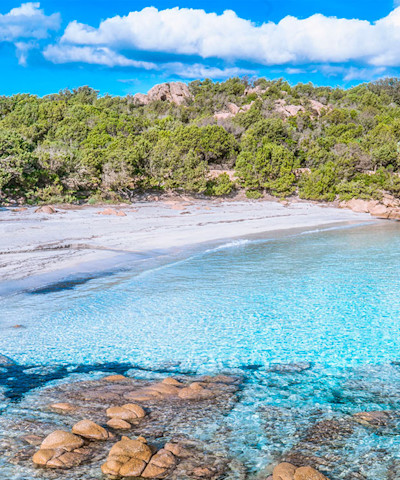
(330, 298)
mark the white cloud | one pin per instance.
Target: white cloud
(22, 51)
(295, 71)
(27, 21)
(92, 55)
(352, 73)
(183, 31)
(199, 71)
(104, 56)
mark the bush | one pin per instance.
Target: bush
(269, 168)
(320, 184)
(253, 194)
(219, 186)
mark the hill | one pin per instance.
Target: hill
(320, 143)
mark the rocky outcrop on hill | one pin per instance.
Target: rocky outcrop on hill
(317, 107)
(231, 111)
(288, 110)
(174, 92)
(258, 90)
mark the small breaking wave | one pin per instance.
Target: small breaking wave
(231, 244)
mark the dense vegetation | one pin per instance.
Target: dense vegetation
(78, 145)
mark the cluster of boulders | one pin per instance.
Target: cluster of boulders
(135, 458)
(287, 471)
(174, 92)
(127, 457)
(388, 207)
(179, 93)
(232, 110)
(287, 110)
(170, 387)
(63, 449)
(280, 106)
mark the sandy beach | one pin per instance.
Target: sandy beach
(37, 243)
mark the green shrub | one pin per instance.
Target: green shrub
(253, 194)
(219, 186)
(320, 184)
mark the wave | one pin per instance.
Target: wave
(231, 244)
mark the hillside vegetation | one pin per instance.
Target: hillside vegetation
(320, 143)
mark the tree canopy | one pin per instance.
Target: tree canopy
(262, 136)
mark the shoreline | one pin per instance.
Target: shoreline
(45, 248)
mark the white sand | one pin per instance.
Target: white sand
(33, 243)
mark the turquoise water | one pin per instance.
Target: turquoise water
(330, 298)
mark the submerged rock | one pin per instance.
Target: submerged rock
(6, 361)
(62, 407)
(33, 440)
(195, 392)
(115, 378)
(167, 389)
(321, 444)
(373, 418)
(290, 367)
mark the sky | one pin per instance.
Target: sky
(125, 46)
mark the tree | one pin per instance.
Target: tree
(270, 168)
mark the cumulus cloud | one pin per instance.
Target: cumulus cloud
(184, 31)
(27, 22)
(92, 55)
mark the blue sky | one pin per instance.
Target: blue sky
(125, 46)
